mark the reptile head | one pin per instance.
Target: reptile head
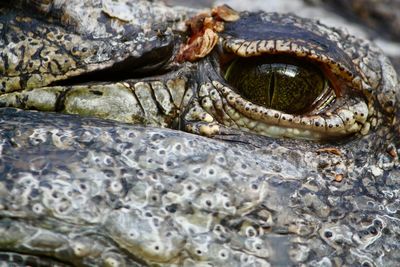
(92, 192)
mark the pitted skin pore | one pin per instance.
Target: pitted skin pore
(81, 191)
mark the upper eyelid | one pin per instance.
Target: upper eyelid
(243, 48)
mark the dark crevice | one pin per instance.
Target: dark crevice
(150, 64)
(160, 108)
(61, 100)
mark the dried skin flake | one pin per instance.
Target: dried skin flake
(204, 33)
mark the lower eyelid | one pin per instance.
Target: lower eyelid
(339, 122)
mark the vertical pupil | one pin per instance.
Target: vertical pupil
(277, 82)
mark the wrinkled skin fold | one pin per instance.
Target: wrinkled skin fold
(84, 191)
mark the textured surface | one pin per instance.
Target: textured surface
(168, 197)
(67, 41)
(90, 192)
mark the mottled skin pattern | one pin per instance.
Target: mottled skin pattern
(83, 191)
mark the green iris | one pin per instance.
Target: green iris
(277, 82)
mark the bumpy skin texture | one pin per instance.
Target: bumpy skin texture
(69, 39)
(91, 192)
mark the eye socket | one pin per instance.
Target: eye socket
(278, 82)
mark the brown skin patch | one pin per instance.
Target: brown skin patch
(331, 150)
(203, 33)
(392, 152)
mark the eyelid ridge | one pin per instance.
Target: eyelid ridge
(342, 121)
(243, 48)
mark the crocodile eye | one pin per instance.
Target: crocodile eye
(281, 80)
(277, 82)
(283, 94)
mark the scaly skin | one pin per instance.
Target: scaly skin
(91, 192)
